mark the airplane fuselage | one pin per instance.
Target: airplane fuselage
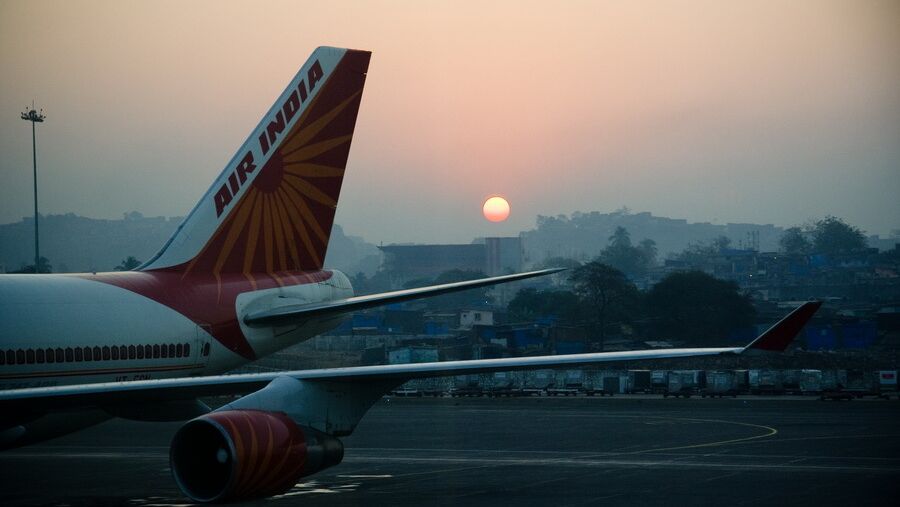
(87, 328)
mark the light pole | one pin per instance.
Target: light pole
(35, 117)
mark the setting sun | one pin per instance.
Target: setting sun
(496, 209)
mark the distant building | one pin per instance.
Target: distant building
(407, 355)
(494, 256)
(409, 262)
(470, 318)
(503, 255)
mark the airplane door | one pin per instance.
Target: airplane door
(202, 345)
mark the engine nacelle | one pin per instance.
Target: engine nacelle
(241, 454)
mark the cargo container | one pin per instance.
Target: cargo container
(539, 379)
(612, 382)
(718, 384)
(742, 381)
(565, 383)
(811, 382)
(859, 383)
(790, 381)
(684, 383)
(466, 385)
(640, 381)
(887, 384)
(765, 382)
(659, 380)
(502, 383)
(834, 380)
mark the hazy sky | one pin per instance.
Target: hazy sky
(770, 112)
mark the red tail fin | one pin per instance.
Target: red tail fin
(778, 337)
(273, 207)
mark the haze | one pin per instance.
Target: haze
(768, 112)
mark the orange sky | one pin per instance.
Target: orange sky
(772, 112)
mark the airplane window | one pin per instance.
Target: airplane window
(205, 349)
(179, 350)
(96, 353)
(156, 352)
(10, 357)
(29, 356)
(171, 350)
(123, 352)
(20, 356)
(38, 356)
(59, 356)
(2, 358)
(148, 351)
(106, 353)
(79, 354)
(131, 352)
(114, 353)
(87, 354)
(164, 352)
(70, 355)
(187, 350)
(140, 351)
(50, 357)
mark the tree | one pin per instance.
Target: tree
(621, 238)
(697, 308)
(529, 304)
(607, 295)
(696, 253)
(794, 242)
(625, 257)
(833, 236)
(128, 264)
(647, 249)
(43, 267)
(559, 262)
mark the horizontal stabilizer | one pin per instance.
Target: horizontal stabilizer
(290, 314)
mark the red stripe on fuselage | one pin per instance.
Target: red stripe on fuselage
(205, 300)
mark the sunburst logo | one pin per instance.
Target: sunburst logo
(282, 224)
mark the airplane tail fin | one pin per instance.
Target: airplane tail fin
(778, 337)
(271, 210)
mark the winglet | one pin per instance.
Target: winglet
(778, 337)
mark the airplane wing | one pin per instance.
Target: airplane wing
(291, 314)
(45, 399)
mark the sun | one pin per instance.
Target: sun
(496, 209)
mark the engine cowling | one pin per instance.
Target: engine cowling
(241, 454)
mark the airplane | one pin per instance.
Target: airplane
(241, 277)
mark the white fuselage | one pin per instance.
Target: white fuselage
(61, 329)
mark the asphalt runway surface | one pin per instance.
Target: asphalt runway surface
(534, 451)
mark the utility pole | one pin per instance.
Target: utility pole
(35, 117)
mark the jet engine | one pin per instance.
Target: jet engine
(241, 454)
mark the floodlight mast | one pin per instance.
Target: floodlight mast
(35, 117)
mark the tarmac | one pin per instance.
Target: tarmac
(638, 450)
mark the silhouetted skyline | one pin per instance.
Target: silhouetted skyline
(760, 112)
